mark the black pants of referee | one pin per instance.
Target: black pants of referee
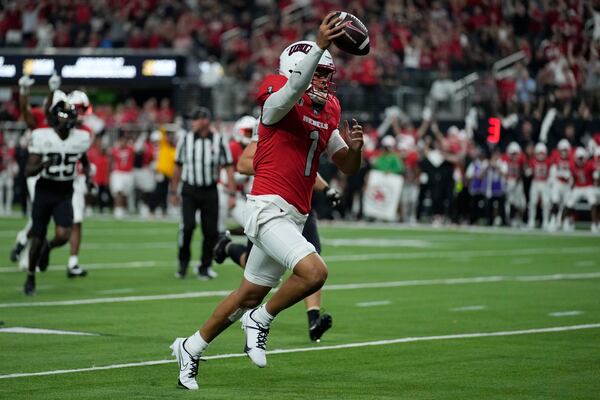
(206, 200)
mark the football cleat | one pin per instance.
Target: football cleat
(76, 272)
(322, 325)
(44, 259)
(219, 253)
(188, 365)
(15, 253)
(205, 274)
(256, 339)
(29, 287)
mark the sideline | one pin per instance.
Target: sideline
(346, 286)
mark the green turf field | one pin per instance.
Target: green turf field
(407, 305)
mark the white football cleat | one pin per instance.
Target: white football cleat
(188, 365)
(256, 339)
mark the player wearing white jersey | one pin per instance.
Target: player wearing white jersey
(53, 154)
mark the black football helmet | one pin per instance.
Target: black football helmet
(62, 115)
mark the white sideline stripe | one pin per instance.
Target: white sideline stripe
(456, 255)
(128, 246)
(468, 308)
(381, 242)
(467, 253)
(395, 226)
(61, 267)
(98, 232)
(373, 303)
(116, 291)
(346, 286)
(565, 313)
(321, 348)
(39, 331)
(585, 263)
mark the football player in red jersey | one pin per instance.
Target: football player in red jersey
(539, 167)
(121, 176)
(560, 181)
(318, 322)
(582, 170)
(299, 120)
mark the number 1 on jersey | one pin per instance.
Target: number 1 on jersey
(314, 137)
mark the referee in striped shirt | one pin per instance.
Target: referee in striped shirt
(200, 154)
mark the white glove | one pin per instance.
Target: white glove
(25, 83)
(427, 113)
(393, 112)
(54, 82)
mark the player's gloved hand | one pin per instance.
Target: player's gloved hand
(25, 83)
(54, 82)
(90, 185)
(333, 196)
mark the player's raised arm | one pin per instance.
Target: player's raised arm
(348, 159)
(300, 75)
(25, 83)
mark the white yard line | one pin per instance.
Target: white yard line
(373, 303)
(116, 291)
(347, 286)
(322, 348)
(39, 331)
(565, 313)
(457, 229)
(468, 308)
(377, 242)
(460, 254)
(455, 255)
(115, 265)
(585, 263)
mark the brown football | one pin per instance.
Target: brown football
(355, 39)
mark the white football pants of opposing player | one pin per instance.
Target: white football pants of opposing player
(539, 191)
(237, 212)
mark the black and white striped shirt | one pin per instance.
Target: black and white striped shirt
(201, 157)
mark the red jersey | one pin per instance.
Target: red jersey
(148, 154)
(288, 152)
(540, 169)
(236, 150)
(514, 167)
(40, 117)
(562, 166)
(101, 162)
(411, 162)
(123, 158)
(583, 174)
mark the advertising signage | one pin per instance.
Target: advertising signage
(82, 69)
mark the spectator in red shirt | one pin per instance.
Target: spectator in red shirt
(99, 157)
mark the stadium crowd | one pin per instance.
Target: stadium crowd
(550, 95)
